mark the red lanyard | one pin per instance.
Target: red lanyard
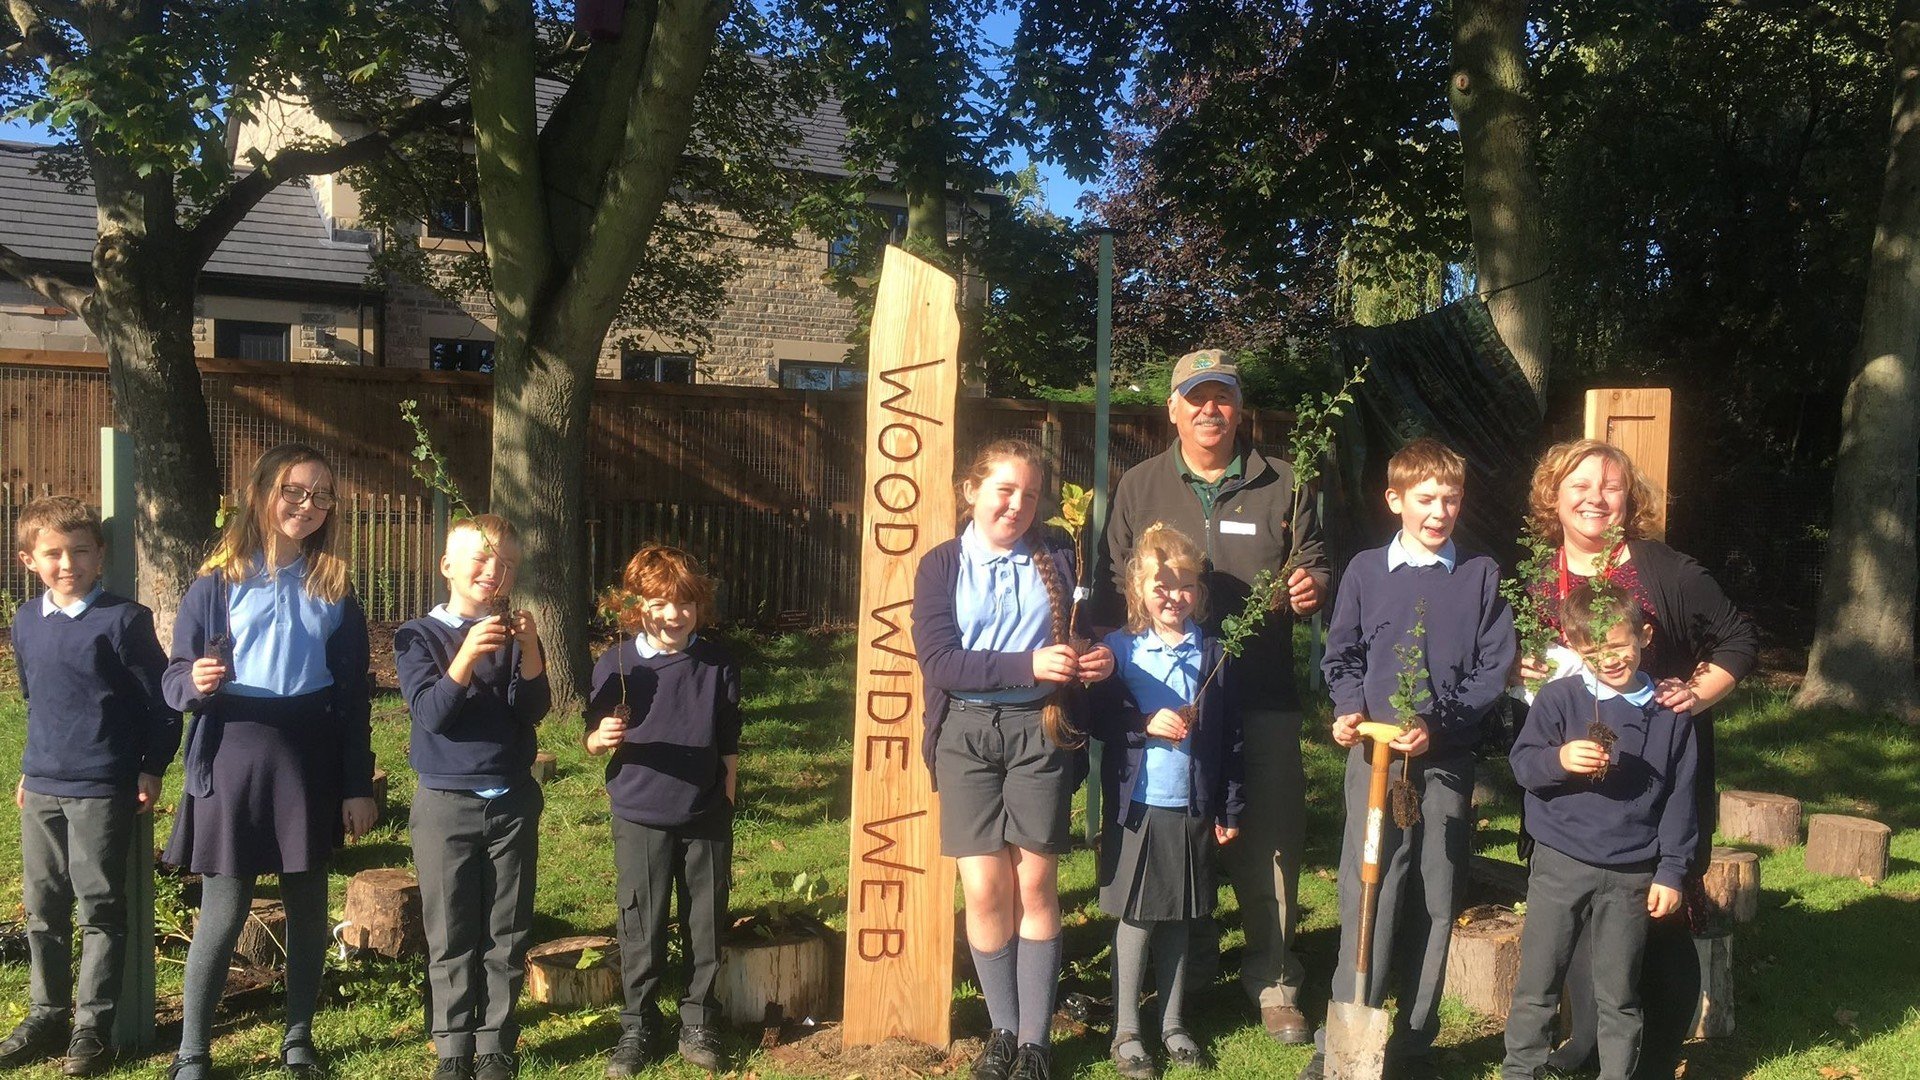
(1566, 584)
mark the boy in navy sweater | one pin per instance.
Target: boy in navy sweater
(1417, 590)
(1609, 777)
(99, 737)
(476, 684)
(666, 706)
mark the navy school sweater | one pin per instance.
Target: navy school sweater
(96, 718)
(1469, 642)
(685, 718)
(472, 737)
(1641, 812)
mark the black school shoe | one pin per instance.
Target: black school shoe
(34, 1039)
(454, 1068)
(996, 1057)
(1316, 1068)
(633, 1053)
(496, 1067)
(1034, 1062)
(89, 1053)
(700, 1047)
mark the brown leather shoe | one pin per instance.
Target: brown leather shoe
(1286, 1024)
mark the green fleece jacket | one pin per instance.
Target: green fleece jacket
(1254, 526)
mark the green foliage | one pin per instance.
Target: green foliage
(1312, 434)
(429, 464)
(1411, 682)
(1075, 503)
(1235, 629)
(1528, 591)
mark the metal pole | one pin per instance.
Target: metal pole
(133, 1015)
(1097, 517)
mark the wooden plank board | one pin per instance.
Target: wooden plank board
(899, 977)
(1639, 421)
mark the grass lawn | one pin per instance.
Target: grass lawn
(1828, 975)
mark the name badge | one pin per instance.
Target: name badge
(1237, 528)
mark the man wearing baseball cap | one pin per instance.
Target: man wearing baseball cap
(1238, 504)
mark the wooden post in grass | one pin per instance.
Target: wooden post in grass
(1842, 846)
(899, 973)
(133, 1016)
(1639, 421)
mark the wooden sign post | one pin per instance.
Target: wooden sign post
(1641, 423)
(899, 978)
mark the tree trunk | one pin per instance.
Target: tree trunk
(1756, 817)
(539, 451)
(1492, 99)
(923, 173)
(1862, 656)
(142, 312)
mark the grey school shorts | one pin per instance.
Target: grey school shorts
(1001, 782)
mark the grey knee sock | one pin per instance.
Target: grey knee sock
(999, 983)
(1129, 972)
(1170, 977)
(304, 895)
(1039, 972)
(224, 901)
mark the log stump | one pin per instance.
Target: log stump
(1714, 1017)
(545, 767)
(1842, 846)
(383, 914)
(792, 971)
(1755, 817)
(556, 976)
(380, 790)
(1732, 884)
(1483, 961)
(263, 937)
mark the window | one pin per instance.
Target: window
(893, 218)
(808, 375)
(458, 220)
(460, 354)
(647, 365)
(238, 339)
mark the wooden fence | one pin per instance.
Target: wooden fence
(761, 483)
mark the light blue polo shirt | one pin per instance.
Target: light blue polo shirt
(1161, 676)
(279, 633)
(1000, 605)
(1402, 553)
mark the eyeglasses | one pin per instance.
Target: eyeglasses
(299, 496)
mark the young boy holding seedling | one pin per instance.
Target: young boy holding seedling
(99, 737)
(1609, 780)
(1416, 596)
(476, 684)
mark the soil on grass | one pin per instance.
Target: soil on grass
(819, 1053)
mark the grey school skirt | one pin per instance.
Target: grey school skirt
(1157, 866)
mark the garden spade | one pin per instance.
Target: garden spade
(1357, 1034)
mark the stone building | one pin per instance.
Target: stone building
(291, 282)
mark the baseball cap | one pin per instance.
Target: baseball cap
(1197, 367)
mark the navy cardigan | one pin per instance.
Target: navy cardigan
(203, 615)
(946, 667)
(1217, 770)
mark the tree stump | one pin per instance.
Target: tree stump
(263, 937)
(1732, 884)
(1714, 1018)
(1772, 821)
(383, 914)
(545, 767)
(791, 970)
(1842, 846)
(380, 790)
(555, 974)
(1483, 961)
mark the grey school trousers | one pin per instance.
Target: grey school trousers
(476, 859)
(74, 850)
(1419, 884)
(1563, 895)
(652, 866)
(1263, 863)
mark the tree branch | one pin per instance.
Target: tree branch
(237, 201)
(37, 39)
(1817, 15)
(52, 286)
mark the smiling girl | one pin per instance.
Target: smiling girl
(990, 630)
(1172, 779)
(270, 654)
